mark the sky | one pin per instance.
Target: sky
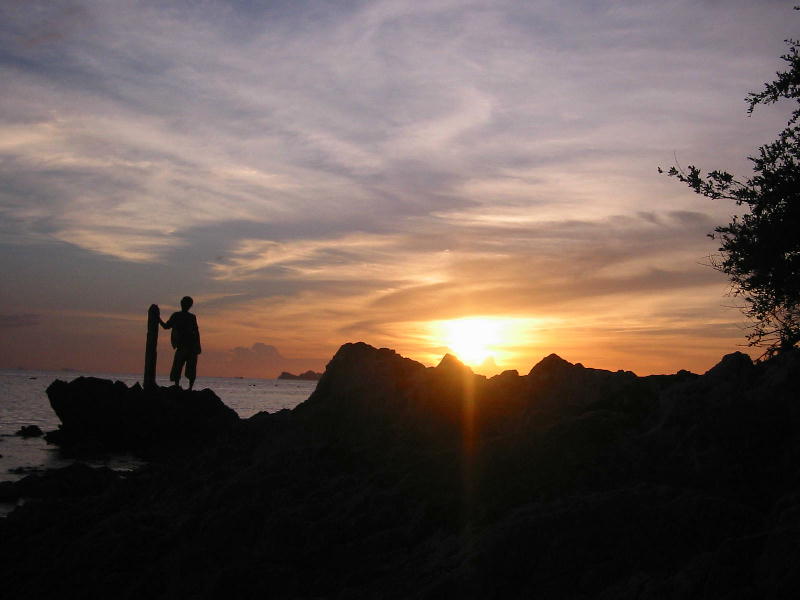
(407, 174)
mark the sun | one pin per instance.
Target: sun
(472, 340)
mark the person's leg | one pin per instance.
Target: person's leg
(177, 367)
(191, 368)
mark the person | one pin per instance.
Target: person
(185, 339)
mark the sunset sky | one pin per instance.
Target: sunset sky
(396, 172)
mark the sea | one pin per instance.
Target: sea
(23, 401)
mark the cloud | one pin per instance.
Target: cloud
(354, 169)
(264, 360)
(618, 277)
(575, 259)
(369, 114)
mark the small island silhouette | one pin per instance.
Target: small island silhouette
(305, 376)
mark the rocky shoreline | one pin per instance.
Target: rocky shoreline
(394, 480)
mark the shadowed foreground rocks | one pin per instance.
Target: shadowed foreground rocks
(399, 481)
(76, 480)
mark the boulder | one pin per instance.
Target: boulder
(733, 367)
(558, 386)
(99, 414)
(27, 431)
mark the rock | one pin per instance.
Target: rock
(25, 470)
(27, 431)
(76, 480)
(360, 377)
(557, 386)
(99, 414)
(451, 365)
(508, 373)
(8, 492)
(732, 366)
(550, 365)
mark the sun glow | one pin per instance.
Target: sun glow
(472, 340)
(488, 345)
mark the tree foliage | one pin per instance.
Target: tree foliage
(760, 250)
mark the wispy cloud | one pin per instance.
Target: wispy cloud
(359, 167)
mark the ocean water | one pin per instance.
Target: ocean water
(23, 401)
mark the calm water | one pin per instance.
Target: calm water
(23, 401)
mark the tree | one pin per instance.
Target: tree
(760, 250)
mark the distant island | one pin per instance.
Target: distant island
(307, 376)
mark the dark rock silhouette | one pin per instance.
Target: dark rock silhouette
(394, 480)
(305, 376)
(74, 481)
(29, 431)
(98, 414)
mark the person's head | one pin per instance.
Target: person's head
(186, 303)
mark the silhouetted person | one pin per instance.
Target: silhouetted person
(186, 341)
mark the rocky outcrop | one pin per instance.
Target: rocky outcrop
(27, 431)
(399, 481)
(99, 414)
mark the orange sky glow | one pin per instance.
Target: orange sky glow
(476, 178)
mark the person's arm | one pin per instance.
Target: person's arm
(168, 324)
